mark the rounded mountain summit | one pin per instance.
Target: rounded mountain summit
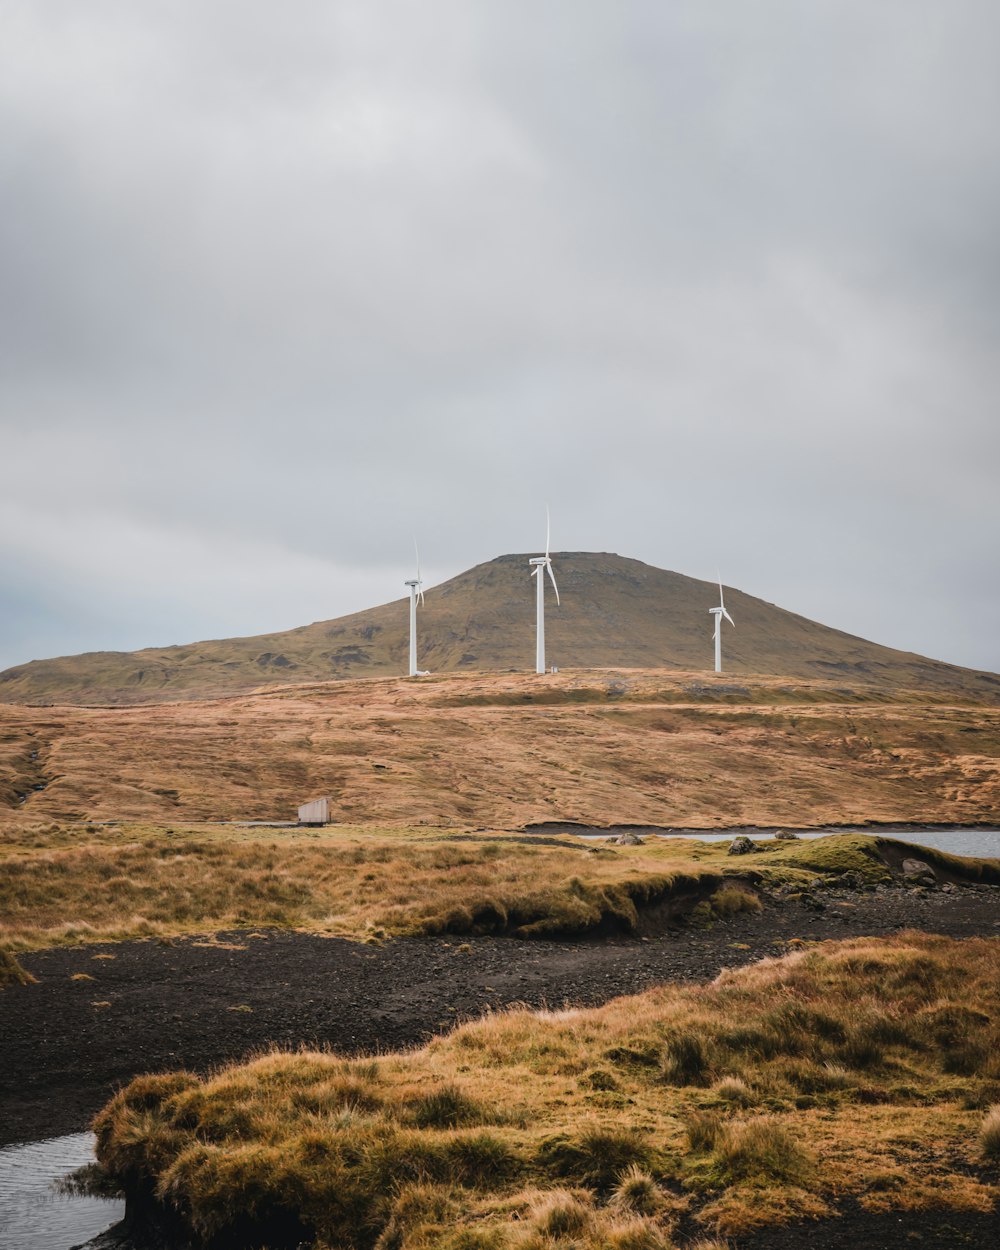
(615, 613)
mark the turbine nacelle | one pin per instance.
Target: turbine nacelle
(417, 582)
(544, 562)
(722, 607)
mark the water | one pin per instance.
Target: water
(34, 1215)
(978, 843)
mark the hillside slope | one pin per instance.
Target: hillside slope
(661, 748)
(615, 613)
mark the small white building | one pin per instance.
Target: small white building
(315, 812)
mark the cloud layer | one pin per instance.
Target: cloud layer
(718, 283)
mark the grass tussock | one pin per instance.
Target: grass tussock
(989, 1134)
(638, 1191)
(761, 1150)
(734, 900)
(733, 1089)
(11, 972)
(732, 1101)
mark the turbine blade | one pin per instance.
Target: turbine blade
(728, 618)
(553, 579)
(416, 550)
(548, 530)
(722, 602)
(536, 570)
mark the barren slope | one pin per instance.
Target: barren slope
(650, 747)
(615, 612)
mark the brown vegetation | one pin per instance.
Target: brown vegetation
(989, 1134)
(497, 1135)
(66, 884)
(70, 885)
(11, 972)
(503, 751)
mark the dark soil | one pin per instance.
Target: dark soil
(857, 1229)
(66, 1045)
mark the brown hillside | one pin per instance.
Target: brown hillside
(615, 612)
(661, 748)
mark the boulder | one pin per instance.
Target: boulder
(917, 872)
(741, 845)
(786, 835)
(626, 839)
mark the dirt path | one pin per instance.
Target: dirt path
(99, 1015)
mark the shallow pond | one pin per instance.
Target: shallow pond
(978, 843)
(34, 1213)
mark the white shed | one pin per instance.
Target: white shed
(315, 812)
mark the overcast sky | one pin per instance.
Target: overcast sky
(283, 285)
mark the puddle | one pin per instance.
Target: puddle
(34, 1215)
(975, 843)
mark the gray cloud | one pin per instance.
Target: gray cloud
(719, 284)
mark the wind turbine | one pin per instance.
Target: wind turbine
(416, 593)
(719, 613)
(541, 566)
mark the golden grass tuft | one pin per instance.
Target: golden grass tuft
(761, 1150)
(11, 972)
(733, 1089)
(733, 900)
(989, 1134)
(638, 1192)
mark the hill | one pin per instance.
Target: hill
(615, 613)
(502, 751)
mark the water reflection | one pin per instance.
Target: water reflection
(34, 1213)
(975, 843)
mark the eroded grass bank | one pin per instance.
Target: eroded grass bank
(68, 884)
(864, 1068)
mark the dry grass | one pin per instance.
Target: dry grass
(666, 748)
(989, 1134)
(409, 1151)
(11, 972)
(732, 900)
(72, 884)
(140, 882)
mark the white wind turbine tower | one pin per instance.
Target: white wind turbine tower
(719, 613)
(541, 566)
(415, 585)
